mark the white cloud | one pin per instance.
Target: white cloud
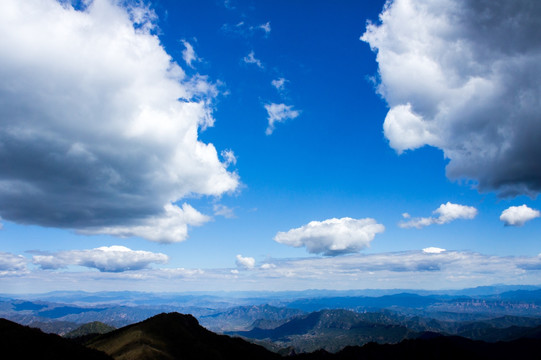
(333, 236)
(170, 227)
(188, 54)
(265, 27)
(433, 250)
(279, 83)
(397, 270)
(108, 259)
(11, 264)
(279, 113)
(223, 210)
(251, 59)
(464, 77)
(445, 214)
(246, 30)
(245, 262)
(93, 135)
(518, 215)
(229, 157)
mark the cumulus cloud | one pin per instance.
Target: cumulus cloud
(444, 214)
(251, 59)
(279, 113)
(165, 228)
(11, 264)
(465, 77)
(107, 259)
(333, 236)
(518, 215)
(245, 262)
(188, 54)
(93, 136)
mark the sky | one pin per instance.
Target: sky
(269, 145)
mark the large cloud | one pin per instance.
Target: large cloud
(518, 215)
(108, 259)
(98, 126)
(333, 236)
(444, 214)
(465, 76)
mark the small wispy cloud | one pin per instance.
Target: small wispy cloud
(251, 59)
(188, 54)
(444, 214)
(229, 157)
(265, 27)
(222, 210)
(279, 113)
(279, 84)
(518, 215)
(246, 30)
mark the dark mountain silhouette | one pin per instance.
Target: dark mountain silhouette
(175, 336)
(22, 342)
(434, 347)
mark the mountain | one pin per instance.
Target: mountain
(331, 330)
(95, 327)
(434, 347)
(22, 342)
(242, 317)
(175, 336)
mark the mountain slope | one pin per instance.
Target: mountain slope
(331, 330)
(22, 342)
(175, 336)
(95, 327)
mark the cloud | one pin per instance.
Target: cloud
(229, 157)
(415, 269)
(245, 262)
(279, 113)
(224, 211)
(93, 136)
(518, 215)
(251, 59)
(170, 227)
(445, 214)
(188, 54)
(265, 27)
(464, 77)
(433, 250)
(107, 259)
(245, 30)
(333, 236)
(11, 264)
(279, 83)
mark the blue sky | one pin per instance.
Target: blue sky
(268, 145)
